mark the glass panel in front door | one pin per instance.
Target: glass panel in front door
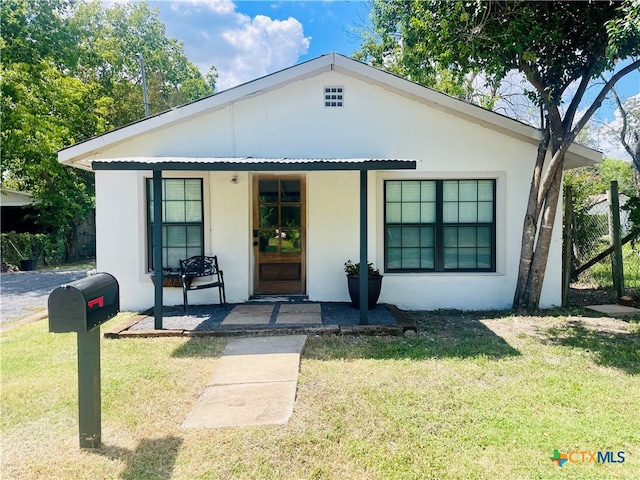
(279, 212)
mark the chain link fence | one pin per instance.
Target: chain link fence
(593, 237)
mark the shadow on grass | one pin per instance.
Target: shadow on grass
(200, 347)
(154, 458)
(609, 348)
(442, 335)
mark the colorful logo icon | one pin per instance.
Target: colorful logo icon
(587, 456)
(559, 458)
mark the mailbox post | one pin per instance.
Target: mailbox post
(81, 307)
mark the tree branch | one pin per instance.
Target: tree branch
(598, 100)
(577, 97)
(623, 131)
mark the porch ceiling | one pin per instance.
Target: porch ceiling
(250, 164)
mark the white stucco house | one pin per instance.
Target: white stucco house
(267, 176)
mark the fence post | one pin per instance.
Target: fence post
(568, 245)
(614, 232)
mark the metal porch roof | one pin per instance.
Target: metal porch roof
(250, 164)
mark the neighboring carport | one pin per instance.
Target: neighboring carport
(250, 164)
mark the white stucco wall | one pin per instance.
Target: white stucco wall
(293, 122)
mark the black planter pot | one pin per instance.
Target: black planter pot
(28, 265)
(375, 285)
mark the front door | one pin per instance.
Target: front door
(279, 235)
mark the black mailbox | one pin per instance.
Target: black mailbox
(84, 304)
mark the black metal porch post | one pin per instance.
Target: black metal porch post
(364, 271)
(157, 250)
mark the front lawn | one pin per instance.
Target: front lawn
(473, 396)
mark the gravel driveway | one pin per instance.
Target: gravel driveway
(25, 293)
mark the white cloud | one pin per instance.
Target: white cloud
(241, 47)
(260, 46)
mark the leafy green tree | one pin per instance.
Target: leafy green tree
(69, 72)
(559, 46)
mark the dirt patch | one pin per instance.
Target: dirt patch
(583, 295)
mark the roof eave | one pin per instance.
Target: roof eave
(69, 155)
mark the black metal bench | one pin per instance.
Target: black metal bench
(197, 267)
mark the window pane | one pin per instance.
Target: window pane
(485, 212)
(173, 211)
(450, 258)
(173, 257)
(467, 258)
(394, 214)
(451, 237)
(193, 189)
(468, 190)
(393, 191)
(485, 190)
(450, 212)
(410, 258)
(484, 258)
(410, 212)
(484, 237)
(193, 211)
(175, 236)
(268, 241)
(394, 258)
(173, 189)
(428, 212)
(268, 216)
(268, 191)
(194, 236)
(290, 241)
(410, 237)
(427, 258)
(190, 252)
(468, 212)
(290, 216)
(393, 237)
(290, 190)
(411, 191)
(427, 237)
(450, 190)
(428, 191)
(467, 237)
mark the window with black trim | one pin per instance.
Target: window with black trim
(440, 225)
(182, 225)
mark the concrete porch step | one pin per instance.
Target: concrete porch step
(279, 298)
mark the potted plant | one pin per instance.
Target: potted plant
(353, 282)
(26, 263)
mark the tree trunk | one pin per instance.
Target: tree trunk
(541, 254)
(530, 223)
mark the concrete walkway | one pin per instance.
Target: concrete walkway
(254, 384)
(613, 310)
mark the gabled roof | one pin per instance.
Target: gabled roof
(15, 198)
(577, 155)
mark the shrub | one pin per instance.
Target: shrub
(47, 249)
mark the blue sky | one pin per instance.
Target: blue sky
(249, 39)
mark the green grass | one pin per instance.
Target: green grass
(473, 396)
(600, 274)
